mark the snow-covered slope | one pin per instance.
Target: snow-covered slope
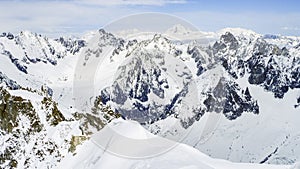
(91, 155)
(39, 124)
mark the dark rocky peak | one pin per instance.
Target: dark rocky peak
(102, 31)
(105, 34)
(3, 34)
(10, 36)
(72, 45)
(261, 47)
(141, 88)
(202, 57)
(158, 41)
(160, 38)
(273, 68)
(159, 45)
(228, 98)
(298, 103)
(137, 81)
(107, 38)
(11, 84)
(226, 42)
(96, 43)
(30, 48)
(228, 38)
(131, 43)
(7, 35)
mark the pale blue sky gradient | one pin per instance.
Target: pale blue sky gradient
(60, 17)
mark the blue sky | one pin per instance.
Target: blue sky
(59, 17)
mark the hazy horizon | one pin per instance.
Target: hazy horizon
(74, 17)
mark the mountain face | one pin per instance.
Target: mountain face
(39, 125)
(145, 87)
(250, 81)
(269, 66)
(29, 48)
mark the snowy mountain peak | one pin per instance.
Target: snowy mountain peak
(239, 32)
(178, 29)
(130, 129)
(27, 33)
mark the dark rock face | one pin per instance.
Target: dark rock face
(105, 95)
(10, 36)
(120, 96)
(298, 102)
(134, 85)
(226, 42)
(104, 39)
(268, 66)
(10, 83)
(229, 99)
(15, 61)
(198, 58)
(3, 34)
(274, 76)
(257, 71)
(38, 49)
(142, 89)
(11, 108)
(265, 65)
(141, 78)
(73, 46)
(24, 129)
(229, 40)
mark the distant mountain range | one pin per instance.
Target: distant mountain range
(55, 94)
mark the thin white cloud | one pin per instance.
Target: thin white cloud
(55, 18)
(131, 2)
(291, 28)
(260, 22)
(61, 17)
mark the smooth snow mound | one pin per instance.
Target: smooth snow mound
(92, 156)
(130, 129)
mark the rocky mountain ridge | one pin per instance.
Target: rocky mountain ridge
(153, 81)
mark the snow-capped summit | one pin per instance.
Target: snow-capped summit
(184, 34)
(178, 29)
(238, 32)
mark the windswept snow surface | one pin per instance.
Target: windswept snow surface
(92, 156)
